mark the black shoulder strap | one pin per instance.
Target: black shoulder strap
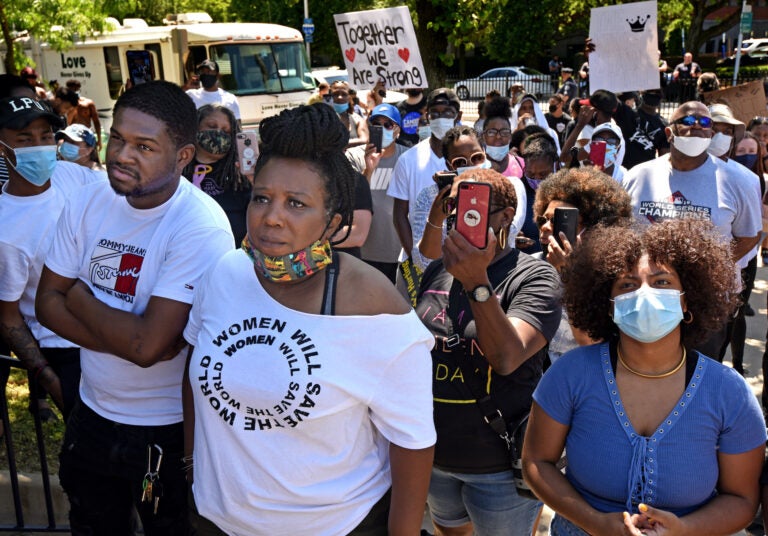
(329, 294)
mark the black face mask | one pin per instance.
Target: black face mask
(413, 92)
(208, 80)
(552, 108)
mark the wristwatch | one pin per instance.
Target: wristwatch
(480, 293)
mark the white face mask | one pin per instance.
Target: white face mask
(719, 144)
(441, 126)
(497, 154)
(387, 138)
(691, 146)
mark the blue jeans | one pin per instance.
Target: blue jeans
(102, 467)
(490, 501)
(562, 527)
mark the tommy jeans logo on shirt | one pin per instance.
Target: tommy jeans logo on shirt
(115, 268)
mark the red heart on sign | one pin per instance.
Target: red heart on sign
(404, 53)
(350, 54)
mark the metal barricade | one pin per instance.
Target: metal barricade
(6, 365)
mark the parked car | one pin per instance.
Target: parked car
(502, 79)
(331, 75)
(755, 47)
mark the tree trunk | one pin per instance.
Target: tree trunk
(698, 36)
(10, 64)
(431, 43)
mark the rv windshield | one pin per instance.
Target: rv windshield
(253, 69)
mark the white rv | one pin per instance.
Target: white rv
(264, 65)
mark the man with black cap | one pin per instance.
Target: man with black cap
(34, 196)
(382, 247)
(414, 170)
(211, 93)
(691, 183)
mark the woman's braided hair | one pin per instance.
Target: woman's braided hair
(315, 135)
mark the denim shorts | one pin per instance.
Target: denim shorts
(562, 527)
(490, 501)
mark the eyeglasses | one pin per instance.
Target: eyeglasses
(389, 125)
(503, 133)
(475, 159)
(448, 113)
(690, 120)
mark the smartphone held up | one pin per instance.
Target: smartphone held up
(248, 151)
(472, 212)
(566, 221)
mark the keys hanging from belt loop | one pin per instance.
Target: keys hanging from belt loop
(151, 485)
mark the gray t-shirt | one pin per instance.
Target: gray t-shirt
(716, 191)
(382, 244)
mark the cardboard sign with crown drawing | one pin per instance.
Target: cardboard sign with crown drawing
(626, 47)
(380, 44)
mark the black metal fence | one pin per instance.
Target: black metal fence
(20, 525)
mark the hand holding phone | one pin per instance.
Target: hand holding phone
(472, 213)
(376, 135)
(566, 221)
(597, 153)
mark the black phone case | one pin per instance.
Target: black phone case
(376, 136)
(445, 178)
(567, 221)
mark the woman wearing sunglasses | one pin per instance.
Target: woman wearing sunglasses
(462, 151)
(492, 312)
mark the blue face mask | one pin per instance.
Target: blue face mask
(485, 165)
(69, 151)
(648, 314)
(341, 107)
(387, 138)
(35, 164)
(746, 160)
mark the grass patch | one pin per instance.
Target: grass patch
(23, 429)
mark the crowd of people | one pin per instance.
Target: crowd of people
(315, 345)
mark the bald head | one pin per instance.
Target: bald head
(688, 58)
(690, 108)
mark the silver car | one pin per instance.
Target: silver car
(502, 79)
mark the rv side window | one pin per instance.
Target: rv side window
(114, 73)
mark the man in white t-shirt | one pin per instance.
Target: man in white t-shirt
(119, 281)
(690, 183)
(32, 200)
(211, 93)
(414, 170)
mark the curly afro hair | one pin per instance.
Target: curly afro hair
(693, 248)
(598, 197)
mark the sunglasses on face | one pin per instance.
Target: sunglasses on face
(541, 221)
(475, 159)
(389, 125)
(690, 120)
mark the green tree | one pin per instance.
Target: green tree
(59, 22)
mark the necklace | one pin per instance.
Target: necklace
(651, 376)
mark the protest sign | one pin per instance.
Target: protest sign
(626, 56)
(380, 44)
(745, 100)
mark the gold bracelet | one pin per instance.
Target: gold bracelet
(433, 225)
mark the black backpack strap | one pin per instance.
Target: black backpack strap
(329, 294)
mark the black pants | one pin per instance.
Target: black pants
(736, 334)
(103, 464)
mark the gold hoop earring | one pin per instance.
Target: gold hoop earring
(503, 237)
(689, 319)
